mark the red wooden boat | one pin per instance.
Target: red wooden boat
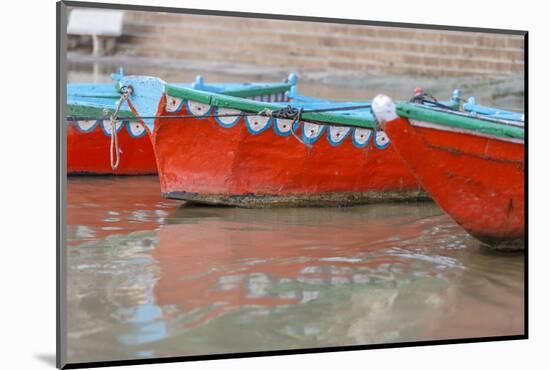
(89, 138)
(471, 163)
(218, 149)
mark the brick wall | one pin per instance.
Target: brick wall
(308, 46)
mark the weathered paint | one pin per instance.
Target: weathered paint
(478, 180)
(88, 151)
(255, 161)
(475, 109)
(460, 121)
(353, 117)
(330, 199)
(88, 143)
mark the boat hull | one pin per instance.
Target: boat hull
(477, 179)
(247, 162)
(88, 149)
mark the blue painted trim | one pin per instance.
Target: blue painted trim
(456, 97)
(334, 143)
(226, 125)
(248, 127)
(127, 124)
(201, 116)
(199, 83)
(280, 133)
(146, 95)
(380, 146)
(358, 145)
(94, 126)
(473, 108)
(118, 74)
(105, 131)
(292, 78)
(311, 141)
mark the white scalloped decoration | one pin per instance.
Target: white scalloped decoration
(86, 126)
(381, 140)
(135, 129)
(173, 104)
(106, 125)
(361, 136)
(312, 131)
(198, 109)
(231, 119)
(283, 126)
(337, 134)
(257, 124)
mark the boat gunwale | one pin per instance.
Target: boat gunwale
(228, 100)
(88, 109)
(461, 120)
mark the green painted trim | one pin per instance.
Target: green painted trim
(247, 105)
(93, 111)
(113, 95)
(187, 93)
(253, 91)
(448, 119)
(253, 106)
(184, 92)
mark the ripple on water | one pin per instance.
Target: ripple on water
(153, 278)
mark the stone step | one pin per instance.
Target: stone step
(315, 46)
(173, 21)
(368, 47)
(253, 51)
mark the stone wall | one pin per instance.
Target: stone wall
(310, 46)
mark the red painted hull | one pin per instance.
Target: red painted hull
(88, 152)
(199, 160)
(478, 181)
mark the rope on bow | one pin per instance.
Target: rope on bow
(423, 98)
(287, 112)
(114, 150)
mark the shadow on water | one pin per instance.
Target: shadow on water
(149, 277)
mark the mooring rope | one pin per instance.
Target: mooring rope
(287, 113)
(114, 145)
(297, 119)
(114, 150)
(428, 99)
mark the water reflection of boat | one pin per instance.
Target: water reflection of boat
(221, 280)
(97, 207)
(250, 153)
(471, 163)
(216, 267)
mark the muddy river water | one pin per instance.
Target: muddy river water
(154, 277)
(150, 277)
